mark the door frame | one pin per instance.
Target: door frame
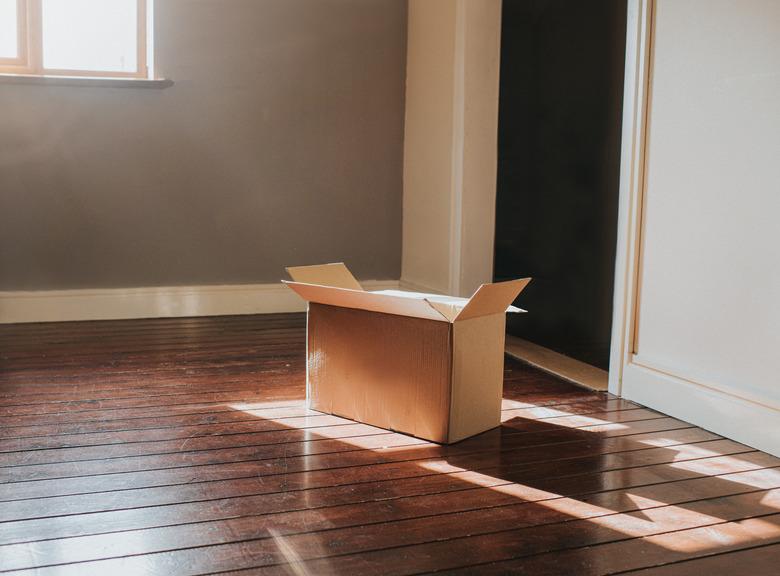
(636, 93)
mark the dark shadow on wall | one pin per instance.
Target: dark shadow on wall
(562, 65)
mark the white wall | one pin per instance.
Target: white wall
(479, 154)
(430, 62)
(707, 334)
(450, 145)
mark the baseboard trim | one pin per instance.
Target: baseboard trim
(557, 364)
(155, 302)
(751, 423)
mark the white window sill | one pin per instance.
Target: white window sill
(87, 81)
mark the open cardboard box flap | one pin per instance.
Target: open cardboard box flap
(336, 275)
(334, 284)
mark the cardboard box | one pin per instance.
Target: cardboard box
(427, 365)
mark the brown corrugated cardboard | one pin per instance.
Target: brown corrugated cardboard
(422, 364)
(354, 369)
(361, 300)
(336, 275)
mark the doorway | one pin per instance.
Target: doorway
(560, 112)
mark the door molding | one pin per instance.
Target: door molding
(636, 93)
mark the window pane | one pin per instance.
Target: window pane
(99, 35)
(9, 47)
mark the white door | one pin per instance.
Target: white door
(697, 314)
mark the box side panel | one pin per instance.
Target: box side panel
(381, 369)
(477, 375)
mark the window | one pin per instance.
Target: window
(74, 37)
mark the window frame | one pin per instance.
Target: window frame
(29, 59)
(22, 49)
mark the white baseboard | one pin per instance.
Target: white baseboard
(547, 360)
(155, 302)
(741, 419)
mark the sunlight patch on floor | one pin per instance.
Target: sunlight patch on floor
(352, 433)
(658, 442)
(636, 515)
(718, 537)
(722, 465)
(260, 408)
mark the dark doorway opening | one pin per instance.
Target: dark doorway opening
(561, 92)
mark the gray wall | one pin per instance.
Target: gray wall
(280, 143)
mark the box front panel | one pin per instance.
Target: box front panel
(385, 370)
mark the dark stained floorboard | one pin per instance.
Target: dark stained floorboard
(183, 446)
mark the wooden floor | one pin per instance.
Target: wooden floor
(182, 446)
